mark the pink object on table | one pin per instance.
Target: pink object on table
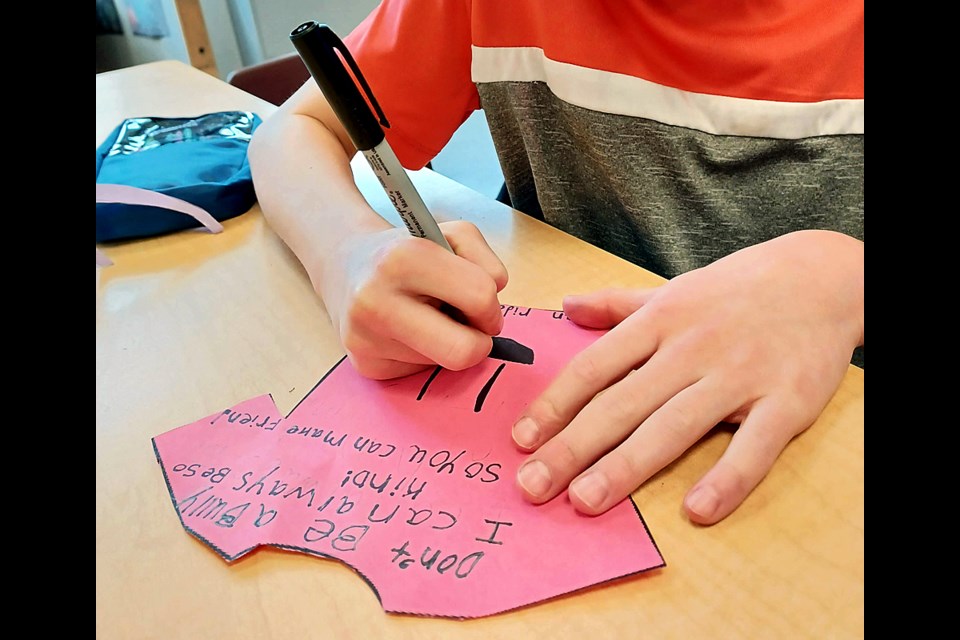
(126, 194)
(411, 482)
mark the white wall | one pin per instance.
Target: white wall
(126, 50)
(245, 32)
(275, 19)
(117, 51)
(223, 39)
(263, 32)
(242, 32)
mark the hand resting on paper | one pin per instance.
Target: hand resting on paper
(760, 338)
(384, 289)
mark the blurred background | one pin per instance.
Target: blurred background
(223, 36)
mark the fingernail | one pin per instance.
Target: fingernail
(703, 501)
(534, 477)
(526, 433)
(591, 489)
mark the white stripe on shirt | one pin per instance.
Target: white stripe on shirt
(621, 94)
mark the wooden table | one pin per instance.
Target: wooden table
(193, 322)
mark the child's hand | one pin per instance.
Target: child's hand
(383, 291)
(761, 338)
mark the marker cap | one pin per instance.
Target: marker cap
(317, 45)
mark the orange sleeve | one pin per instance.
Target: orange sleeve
(416, 57)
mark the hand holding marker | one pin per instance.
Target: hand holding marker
(317, 45)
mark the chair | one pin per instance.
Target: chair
(272, 80)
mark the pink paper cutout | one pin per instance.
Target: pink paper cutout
(410, 482)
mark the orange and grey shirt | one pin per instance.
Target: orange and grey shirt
(668, 133)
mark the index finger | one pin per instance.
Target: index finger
(454, 280)
(467, 242)
(589, 372)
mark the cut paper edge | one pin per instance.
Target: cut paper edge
(231, 558)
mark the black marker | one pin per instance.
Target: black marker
(317, 45)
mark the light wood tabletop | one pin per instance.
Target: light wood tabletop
(193, 322)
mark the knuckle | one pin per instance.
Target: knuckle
(678, 421)
(487, 292)
(623, 469)
(586, 369)
(359, 349)
(377, 372)
(563, 455)
(482, 298)
(500, 276)
(363, 369)
(364, 366)
(669, 304)
(365, 310)
(546, 412)
(389, 262)
(618, 407)
(353, 345)
(735, 480)
(461, 228)
(463, 352)
(387, 267)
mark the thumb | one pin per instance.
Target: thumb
(752, 451)
(605, 308)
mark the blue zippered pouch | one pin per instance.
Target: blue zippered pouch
(200, 160)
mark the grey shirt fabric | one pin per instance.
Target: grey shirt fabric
(667, 198)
